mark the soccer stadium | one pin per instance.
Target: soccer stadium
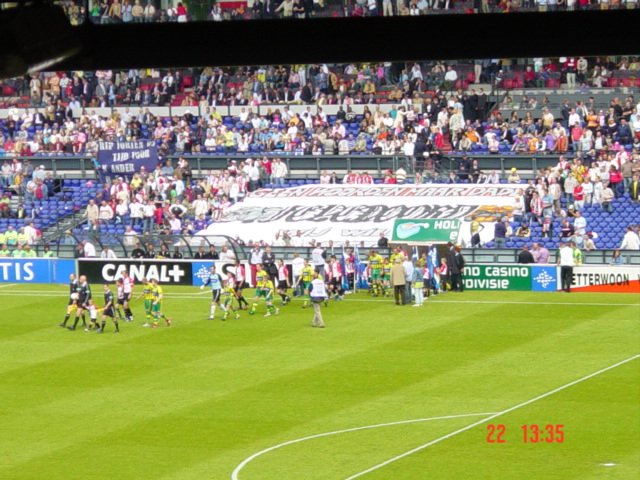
(355, 268)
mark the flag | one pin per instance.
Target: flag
(415, 255)
(359, 280)
(345, 275)
(432, 263)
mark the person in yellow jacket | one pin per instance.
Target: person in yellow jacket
(11, 236)
(22, 238)
(28, 253)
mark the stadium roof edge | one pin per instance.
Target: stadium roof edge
(259, 42)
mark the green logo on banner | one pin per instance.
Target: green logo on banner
(425, 230)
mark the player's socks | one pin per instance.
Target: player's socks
(75, 322)
(84, 320)
(102, 324)
(117, 326)
(213, 311)
(66, 319)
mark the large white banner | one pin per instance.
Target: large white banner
(358, 213)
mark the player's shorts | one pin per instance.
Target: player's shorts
(306, 285)
(267, 294)
(155, 308)
(260, 293)
(238, 286)
(120, 301)
(109, 312)
(71, 302)
(335, 282)
(374, 274)
(215, 295)
(147, 305)
(386, 278)
(282, 285)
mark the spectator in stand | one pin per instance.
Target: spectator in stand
(525, 256)
(630, 241)
(499, 234)
(540, 253)
(106, 213)
(634, 188)
(92, 213)
(589, 244)
(607, 196)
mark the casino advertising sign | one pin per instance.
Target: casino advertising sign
(497, 277)
(359, 213)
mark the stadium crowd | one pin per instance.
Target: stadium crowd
(419, 120)
(141, 11)
(598, 152)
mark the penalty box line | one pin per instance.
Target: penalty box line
(485, 420)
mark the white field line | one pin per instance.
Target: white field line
(484, 420)
(234, 475)
(8, 285)
(187, 295)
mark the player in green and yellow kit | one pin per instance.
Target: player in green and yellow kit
(261, 278)
(375, 272)
(397, 253)
(305, 278)
(156, 304)
(227, 296)
(148, 299)
(386, 277)
(268, 290)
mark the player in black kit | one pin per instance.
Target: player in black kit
(73, 299)
(84, 294)
(108, 310)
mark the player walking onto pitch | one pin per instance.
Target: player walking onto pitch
(262, 282)
(84, 295)
(127, 286)
(148, 299)
(375, 272)
(239, 285)
(335, 278)
(305, 278)
(228, 294)
(386, 277)
(108, 311)
(156, 304)
(120, 300)
(73, 299)
(268, 291)
(215, 280)
(283, 282)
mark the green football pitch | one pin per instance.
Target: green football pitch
(478, 385)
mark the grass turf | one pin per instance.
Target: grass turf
(195, 399)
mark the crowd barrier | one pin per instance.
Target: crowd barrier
(497, 277)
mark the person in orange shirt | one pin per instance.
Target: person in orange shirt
(592, 121)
